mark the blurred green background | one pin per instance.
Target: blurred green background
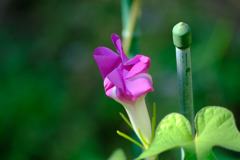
(52, 101)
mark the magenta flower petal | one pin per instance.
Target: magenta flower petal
(139, 58)
(125, 80)
(108, 85)
(137, 69)
(139, 85)
(106, 59)
(116, 77)
(117, 43)
(139, 64)
(115, 93)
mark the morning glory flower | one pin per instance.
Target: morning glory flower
(127, 81)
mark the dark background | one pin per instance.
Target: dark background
(52, 101)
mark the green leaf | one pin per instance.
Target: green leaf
(215, 126)
(173, 131)
(118, 154)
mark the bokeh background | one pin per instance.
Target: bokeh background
(52, 100)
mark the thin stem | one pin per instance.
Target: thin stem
(153, 121)
(130, 27)
(142, 139)
(126, 120)
(130, 139)
(125, 8)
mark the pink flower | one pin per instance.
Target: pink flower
(125, 80)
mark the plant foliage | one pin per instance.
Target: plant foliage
(215, 126)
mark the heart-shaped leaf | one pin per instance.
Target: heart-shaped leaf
(173, 131)
(215, 126)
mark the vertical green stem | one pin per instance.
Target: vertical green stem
(131, 32)
(125, 8)
(182, 41)
(131, 29)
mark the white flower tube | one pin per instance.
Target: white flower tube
(139, 118)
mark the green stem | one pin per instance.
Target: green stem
(153, 121)
(182, 41)
(145, 143)
(130, 139)
(126, 120)
(125, 7)
(130, 22)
